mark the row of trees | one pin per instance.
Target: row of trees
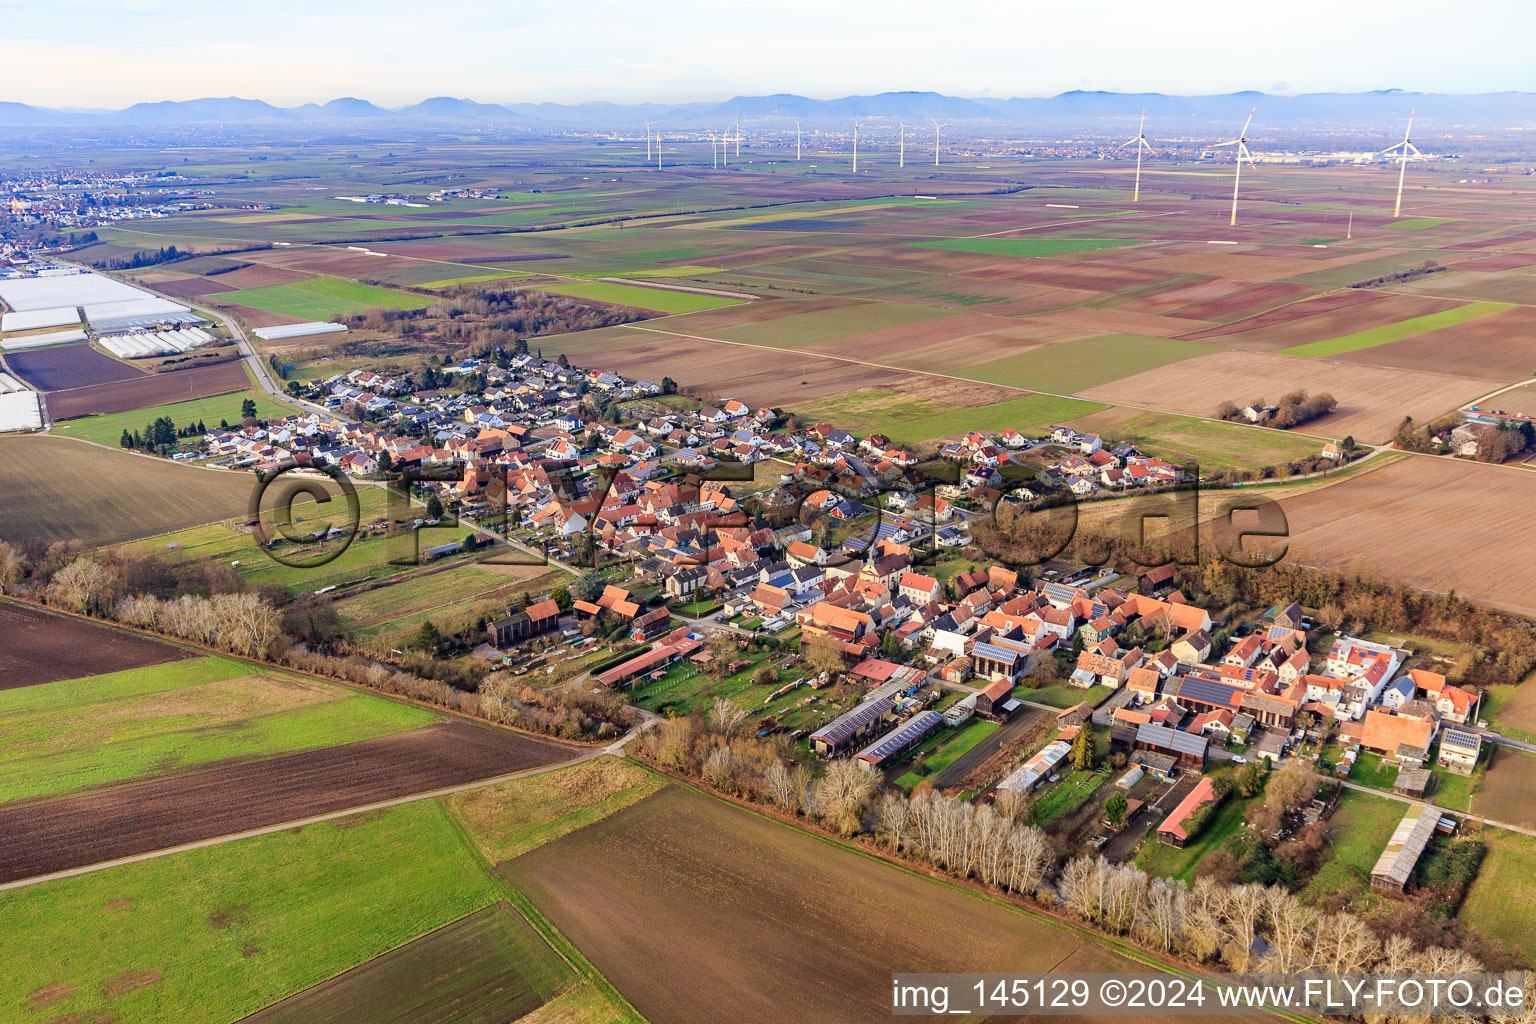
(1293, 409)
(1241, 927)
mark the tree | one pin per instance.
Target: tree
(1250, 779)
(822, 656)
(13, 566)
(562, 598)
(83, 584)
(126, 441)
(589, 587)
(1083, 753)
(890, 647)
(293, 389)
(725, 716)
(668, 386)
(563, 362)
(434, 507)
(1115, 808)
(428, 638)
(248, 409)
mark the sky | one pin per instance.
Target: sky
(110, 53)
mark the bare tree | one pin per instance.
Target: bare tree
(82, 584)
(780, 785)
(13, 566)
(725, 716)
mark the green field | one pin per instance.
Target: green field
(1359, 831)
(214, 934)
(387, 616)
(1073, 366)
(508, 820)
(1022, 248)
(108, 429)
(799, 329)
(1499, 903)
(488, 968)
(65, 736)
(1395, 332)
(322, 298)
(1419, 223)
(1066, 796)
(470, 277)
(1212, 444)
(910, 420)
(659, 299)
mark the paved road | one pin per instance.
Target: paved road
(616, 748)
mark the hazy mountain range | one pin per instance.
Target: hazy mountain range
(1275, 113)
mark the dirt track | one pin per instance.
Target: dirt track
(39, 647)
(54, 835)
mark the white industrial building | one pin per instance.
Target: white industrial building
(20, 410)
(296, 330)
(31, 319)
(146, 343)
(39, 340)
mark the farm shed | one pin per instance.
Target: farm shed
(900, 740)
(1171, 832)
(1395, 865)
(994, 702)
(1027, 777)
(851, 726)
(1187, 749)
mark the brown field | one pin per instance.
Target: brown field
(1080, 276)
(57, 488)
(1333, 323)
(1497, 345)
(1119, 321)
(1292, 312)
(148, 391)
(44, 647)
(189, 287)
(68, 366)
(1506, 793)
(1521, 399)
(454, 252)
(756, 917)
(1431, 522)
(1372, 401)
(259, 277)
(1173, 298)
(339, 261)
(1503, 261)
(1262, 297)
(232, 796)
(1247, 266)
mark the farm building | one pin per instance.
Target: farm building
(1411, 781)
(1396, 737)
(994, 702)
(657, 657)
(535, 620)
(1186, 749)
(1459, 750)
(900, 740)
(853, 725)
(1395, 865)
(1027, 777)
(19, 410)
(1171, 832)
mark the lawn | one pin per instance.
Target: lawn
(659, 299)
(945, 749)
(508, 820)
(108, 429)
(1500, 903)
(211, 935)
(1212, 445)
(1386, 333)
(1072, 366)
(1022, 247)
(321, 298)
(62, 737)
(1068, 795)
(1180, 862)
(1359, 831)
(1062, 695)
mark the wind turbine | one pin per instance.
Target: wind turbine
(1241, 142)
(658, 151)
(797, 140)
(725, 147)
(901, 126)
(936, 127)
(738, 138)
(714, 151)
(648, 140)
(1140, 142)
(855, 147)
(1404, 149)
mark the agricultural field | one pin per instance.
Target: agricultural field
(232, 796)
(141, 943)
(660, 300)
(1396, 332)
(69, 366)
(745, 908)
(69, 735)
(44, 647)
(320, 298)
(1432, 522)
(59, 489)
(917, 419)
(107, 428)
(1504, 791)
(1211, 444)
(1073, 366)
(155, 390)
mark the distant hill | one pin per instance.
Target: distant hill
(1082, 109)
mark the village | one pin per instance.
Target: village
(822, 583)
